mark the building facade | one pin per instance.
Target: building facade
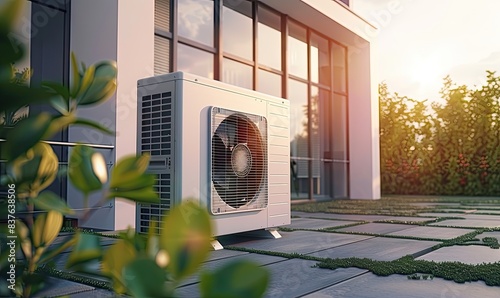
(318, 54)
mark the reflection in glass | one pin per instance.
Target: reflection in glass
(339, 127)
(237, 29)
(195, 61)
(238, 74)
(339, 71)
(196, 20)
(269, 35)
(297, 50)
(298, 139)
(321, 140)
(162, 14)
(340, 180)
(269, 83)
(320, 60)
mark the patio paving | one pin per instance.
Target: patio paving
(376, 228)
(293, 278)
(311, 223)
(379, 248)
(470, 254)
(432, 232)
(298, 278)
(474, 223)
(303, 242)
(370, 285)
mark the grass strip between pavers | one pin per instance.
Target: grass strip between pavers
(49, 270)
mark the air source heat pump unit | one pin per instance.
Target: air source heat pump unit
(225, 146)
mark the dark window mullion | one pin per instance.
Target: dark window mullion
(218, 35)
(255, 18)
(309, 126)
(175, 35)
(196, 45)
(284, 55)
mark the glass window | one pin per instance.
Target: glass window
(340, 179)
(339, 71)
(340, 127)
(320, 60)
(269, 83)
(298, 118)
(269, 35)
(195, 61)
(162, 14)
(238, 74)
(196, 20)
(297, 50)
(162, 55)
(237, 29)
(299, 153)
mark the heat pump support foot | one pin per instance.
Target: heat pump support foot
(216, 245)
(274, 233)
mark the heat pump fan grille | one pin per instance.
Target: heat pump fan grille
(239, 161)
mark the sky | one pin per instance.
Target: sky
(421, 41)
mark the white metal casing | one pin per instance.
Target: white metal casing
(187, 163)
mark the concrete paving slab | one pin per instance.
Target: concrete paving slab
(434, 204)
(410, 218)
(379, 248)
(312, 223)
(224, 253)
(482, 211)
(489, 234)
(376, 228)
(468, 223)
(293, 278)
(213, 265)
(466, 211)
(304, 242)
(59, 287)
(441, 214)
(351, 217)
(482, 217)
(432, 232)
(371, 286)
(469, 254)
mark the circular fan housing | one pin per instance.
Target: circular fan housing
(238, 160)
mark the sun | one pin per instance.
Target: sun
(426, 72)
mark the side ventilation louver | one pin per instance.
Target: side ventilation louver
(156, 139)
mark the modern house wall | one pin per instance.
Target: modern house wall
(335, 157)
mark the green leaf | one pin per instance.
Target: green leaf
(87, 169)
(46, 228)
(48, 200)
(120, 254)
(56, 88)
(127, 170)
(93, 124)
(144, 278)
(144, 195)
(9, 13)
(240, 279)
(14, 96)
(26, 134)
(87, 248)
(188, 244)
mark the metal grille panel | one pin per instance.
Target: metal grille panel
(156, 139)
